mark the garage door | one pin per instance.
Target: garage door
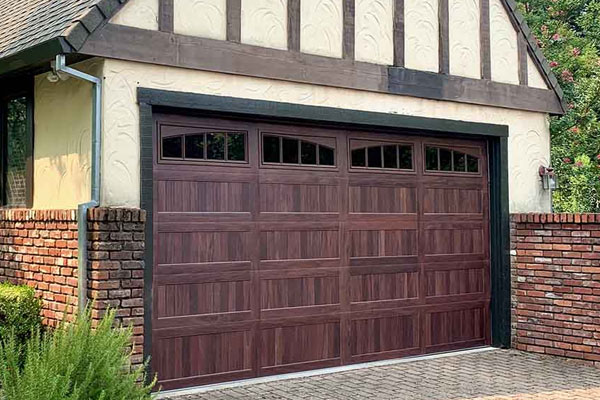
(281, 248)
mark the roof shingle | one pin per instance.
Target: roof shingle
(26, 23)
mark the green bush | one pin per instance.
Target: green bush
(20, 311)
(73, 362)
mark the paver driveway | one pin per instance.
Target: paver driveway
(499, 374)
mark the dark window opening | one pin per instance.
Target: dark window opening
(16, 142)
(390, 156)
(359, 159)
(446, 160)
(290, 151)
(16, 153)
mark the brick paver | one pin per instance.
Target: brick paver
(500, 374)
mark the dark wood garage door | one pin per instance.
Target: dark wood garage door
(282, 248)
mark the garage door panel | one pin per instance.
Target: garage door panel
(207, 197)
(203, 247)
(299, 198)
(372, 199)
(383, 243)
(455, 324)
(299, 244)
(201, 355)
(299, 344)
(454, 241)
(384, 283)
(452, 201)
(371, 338)
(299, 292)
(451, 282)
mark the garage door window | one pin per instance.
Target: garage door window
(446, 160)
(382, 156)
(206, 146)
(294, 151)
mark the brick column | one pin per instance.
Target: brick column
(116, 268)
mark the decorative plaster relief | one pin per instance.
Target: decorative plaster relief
(202, 18)
(528, 144)
(141, 14)
(534, 76)
(264, 23)
(465, 48)
(422, 32)
(374, 31)
(321, 29)
(62, 145)
(504, 46)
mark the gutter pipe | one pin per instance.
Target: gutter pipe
(82, 209)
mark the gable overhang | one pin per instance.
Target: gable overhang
(93, 36)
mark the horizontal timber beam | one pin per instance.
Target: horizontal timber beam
(241, 59)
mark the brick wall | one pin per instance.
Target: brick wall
(556, 284)
(39, 248)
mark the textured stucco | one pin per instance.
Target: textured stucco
(202, 18)
(374, 31)
(528, 144)
(504, 47)
(264, 23)
(421, 34)
(62, 123)
(321, 27)
(534, 76)
(141, 14)
(465, 49)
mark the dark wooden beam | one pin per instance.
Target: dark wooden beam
(293, 14)
(248, 108)
(522, 45)
(484, 26)
(444, 37)
(349, 25)
(399, 33)
(234, 20)
(165, 16)
(240, 59)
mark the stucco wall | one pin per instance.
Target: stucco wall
(534, 77)
(321, 27)
(264, 23)
(374, 31)
(529, 132)
(421, 34)
(465, 49)
(503, 43)
(203, 18)
(141, 14)
(62, 118)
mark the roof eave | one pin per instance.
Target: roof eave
(33, 56)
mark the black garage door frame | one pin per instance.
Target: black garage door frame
(496, 136)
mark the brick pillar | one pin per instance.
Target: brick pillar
(116, 267)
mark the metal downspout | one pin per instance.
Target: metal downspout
(82, 209)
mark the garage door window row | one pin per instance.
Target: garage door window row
(212, 146)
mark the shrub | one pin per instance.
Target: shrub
(73, 362)
(20, 311)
